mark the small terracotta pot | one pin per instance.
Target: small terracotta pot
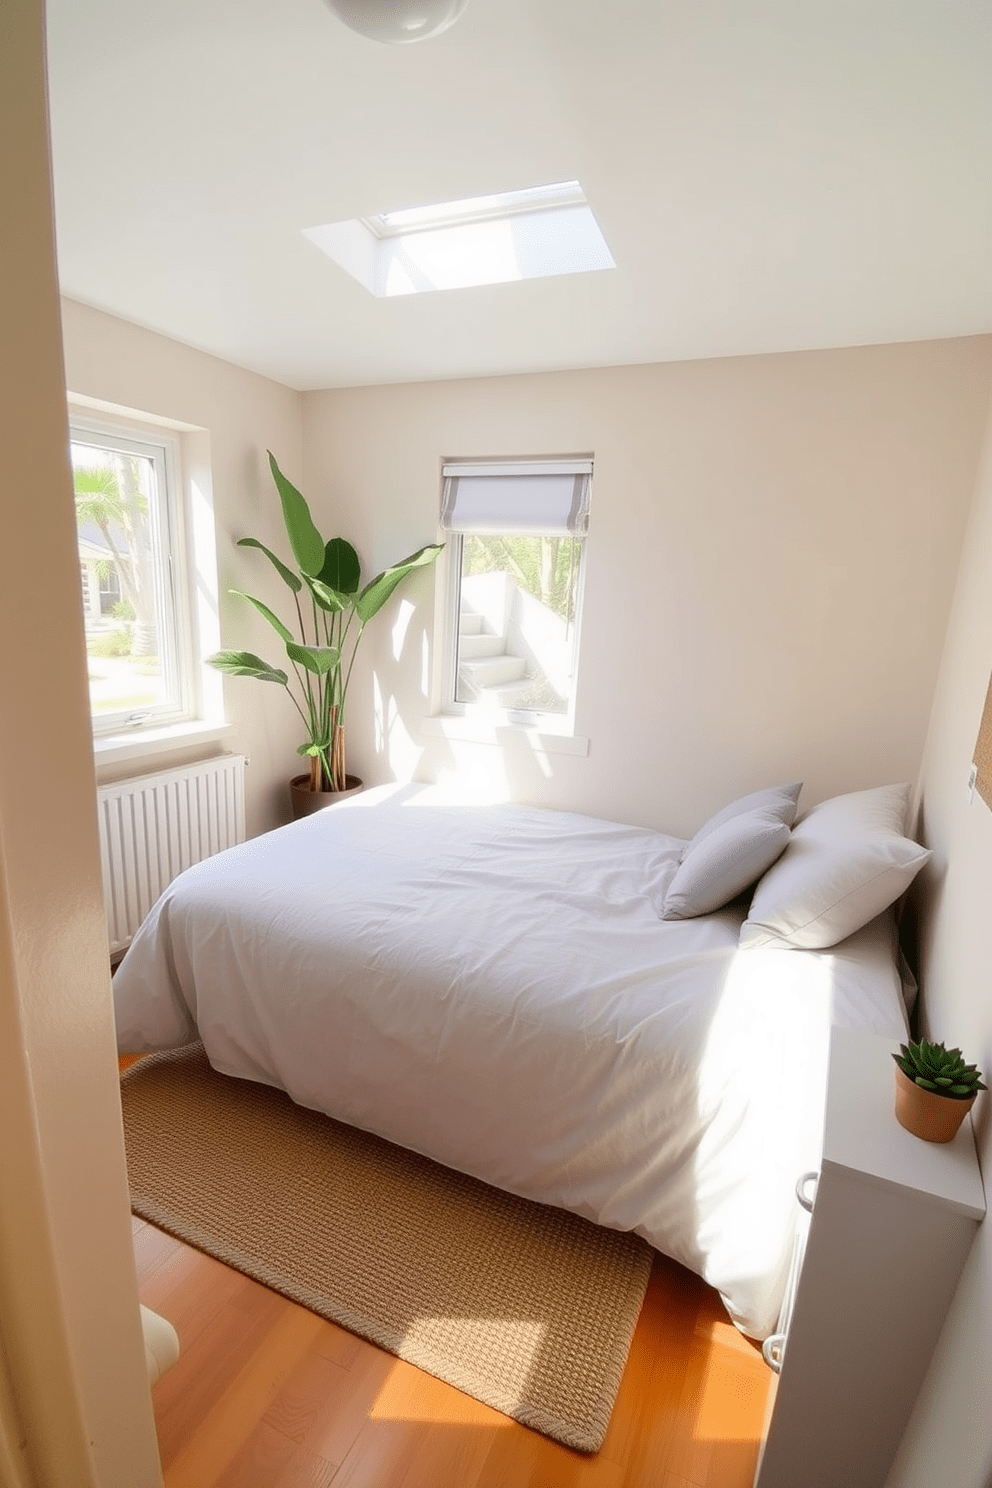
(307, 801)
(935, 1118)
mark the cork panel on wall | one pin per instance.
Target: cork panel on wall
(983, 751)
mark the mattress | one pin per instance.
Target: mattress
(492, 986)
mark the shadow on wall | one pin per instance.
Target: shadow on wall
(395, 701)
(387, 707)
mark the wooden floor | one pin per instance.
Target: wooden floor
(268, 1395)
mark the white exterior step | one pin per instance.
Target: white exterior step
(469, 623)
(492, 671)
(471, 647)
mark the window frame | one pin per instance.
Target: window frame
(170, 527)
(450, 576)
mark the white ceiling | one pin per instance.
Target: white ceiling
(769, 175)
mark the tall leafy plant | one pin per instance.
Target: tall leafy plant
(332, 611)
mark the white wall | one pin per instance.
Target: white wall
(242, 415)
(949, 1439)
(74, 1403)
(772, 554)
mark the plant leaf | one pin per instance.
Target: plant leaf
(262, 609)
(304, 539)
(342, 570)
(317, 659)
(292, 579)
(379, 589)
(328, 599)
(246, 664)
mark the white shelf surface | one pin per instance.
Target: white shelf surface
(863, 1135)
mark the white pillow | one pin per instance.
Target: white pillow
(847, 860)
(724, 862)
(781, 799)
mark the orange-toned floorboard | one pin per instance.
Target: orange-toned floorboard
(267, 1395)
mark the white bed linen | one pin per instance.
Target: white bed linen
(492, 986)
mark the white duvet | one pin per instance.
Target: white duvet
(492, 986)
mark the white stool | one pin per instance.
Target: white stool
(161, 1344)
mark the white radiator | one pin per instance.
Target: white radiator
(153, 827)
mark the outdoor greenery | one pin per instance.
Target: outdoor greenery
(942, 1071)
(116, 642)
(545, 567)
(108, 494)
(332, 610)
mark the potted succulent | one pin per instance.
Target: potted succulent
(935, 1090)
(332, 611)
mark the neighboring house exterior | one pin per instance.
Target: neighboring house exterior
(98, 572)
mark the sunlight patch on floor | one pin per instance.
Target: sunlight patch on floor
(516, 1341)
(732, 1402)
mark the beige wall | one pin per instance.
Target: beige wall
(809, 507)
(949, 1439)
(74, 1403)
(241, 416)
(771, 559)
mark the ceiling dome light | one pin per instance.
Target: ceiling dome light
(398, 20)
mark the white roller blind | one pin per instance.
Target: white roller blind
(550, 499)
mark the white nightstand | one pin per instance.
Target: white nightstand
(892, 1223)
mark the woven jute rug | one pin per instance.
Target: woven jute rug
(526, 1308)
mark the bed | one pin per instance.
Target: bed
(495, 986)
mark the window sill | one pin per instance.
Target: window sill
(541, 740)
(111, 749)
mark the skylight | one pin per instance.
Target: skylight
(477, 209)
(534, 233)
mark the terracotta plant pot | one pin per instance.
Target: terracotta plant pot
(307, 801)
(935, 1118)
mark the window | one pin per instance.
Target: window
(129, 529)
(517, 542)
(535, 233)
